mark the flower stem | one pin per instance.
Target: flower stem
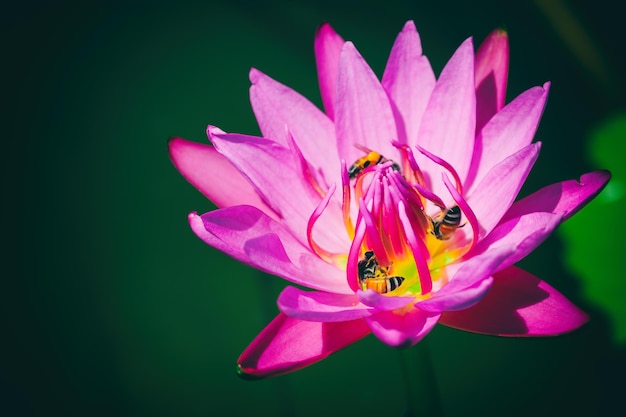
(422, 391)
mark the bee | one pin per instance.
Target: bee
(373, 276)
(382, 285)
(372, 158)
(446, 223)
(368, 267)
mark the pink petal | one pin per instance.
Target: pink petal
(564, 198)
(507, 132)
(469, 284)
(328, 46)
(275, 171)
(276, 107)
(363, 114)
(494, 195)
(448, 124)
(525, 232)
(409, 80)
(383, 302)
(287, 345)
(321, 306)
(213, 175)
(492, 70)
(250, 236)
(402, 329)
(518, 304)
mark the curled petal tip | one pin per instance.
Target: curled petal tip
(246, 376)
(192, 216)
(254, 75)
(603, 175)
(172, 139)
(500, 32)
(323, 26)
(409, 26)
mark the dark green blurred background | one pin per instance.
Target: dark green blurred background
(112, 307)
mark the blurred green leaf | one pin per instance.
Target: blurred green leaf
(594, 245)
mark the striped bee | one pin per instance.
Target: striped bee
(372, 158)
(446, 223)
(374, 277)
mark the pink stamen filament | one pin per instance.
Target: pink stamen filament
(419, 249)
(304, 166)
(321, 252)
(465, 208)
(445, 165)
(391, 223)
(408, 156)
(345, 205)
(355, 254)
(374, 242)
(413, 199)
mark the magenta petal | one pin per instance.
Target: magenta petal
(525, 233)
(492, 70)
(564, 198)
(494, 195)
(507, 132)
(363, 114)
(402, 329)
(469, 284)
(328, 46)
(383, 302)
(250, 236)
(275, 171)
(518, 304)
(213, 175)
(448, 125)
(287, 345)
(278, 107)
(458, 300)
(321, 306)
(409, 80)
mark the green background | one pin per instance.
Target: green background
(112, 307)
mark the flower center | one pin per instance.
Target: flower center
(404, 235)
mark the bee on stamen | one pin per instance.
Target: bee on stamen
(445, 224)
(372, 158)
(373, 276)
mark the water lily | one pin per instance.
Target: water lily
(394, 208)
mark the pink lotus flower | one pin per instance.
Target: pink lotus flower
(395, 206)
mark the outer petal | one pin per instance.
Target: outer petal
(321, 306)
(275, 172)
(507, 132)
(492, 70)
(496, 192)
(402, 329)
(469, 284)
(363, 114)
(525, 233)
(287, 345)
(448, 126)
(250, 236)
(328, 46)
(213, 175)
(276, 107)
(565, 198)
(383, 302)
(518, 304)
(409, 81)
